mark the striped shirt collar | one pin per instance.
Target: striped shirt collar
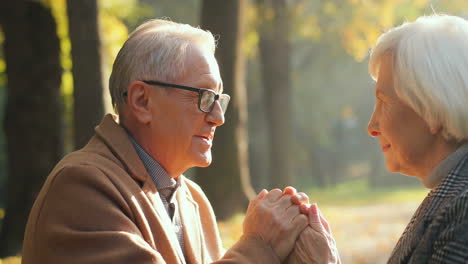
(158, 174)
(437, 174)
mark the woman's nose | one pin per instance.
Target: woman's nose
(374, 133)
(372, 127)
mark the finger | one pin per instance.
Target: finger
(324, 221)
(262, 194)
(314, 219)
(284, 202)
(289, 190)
(299, 223)
(255, 201)
(304, 208)
(292, 212)
(274, 195)
(300, 198)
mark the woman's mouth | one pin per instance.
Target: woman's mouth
(385, 147)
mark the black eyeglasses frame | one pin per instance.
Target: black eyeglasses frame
(200, 92)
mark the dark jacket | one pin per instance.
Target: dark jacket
(438, 231)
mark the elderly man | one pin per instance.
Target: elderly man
(123, 198)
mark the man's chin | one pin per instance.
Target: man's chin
(204, 160)
(204, 165)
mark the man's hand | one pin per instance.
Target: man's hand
(316, 244)
(272, 217)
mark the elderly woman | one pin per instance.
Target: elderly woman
(421, 123)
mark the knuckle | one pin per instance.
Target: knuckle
(303, 196)
(266, 211)
(286, 199)
(294, 210)
(276, 191)
(274, 216)
(283, 227)
(262, 208)
(302, 219)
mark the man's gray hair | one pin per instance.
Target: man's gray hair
(430, 70)
(156, 50)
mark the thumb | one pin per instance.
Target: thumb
(314, 219)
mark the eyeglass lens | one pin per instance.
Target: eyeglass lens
(208, 100)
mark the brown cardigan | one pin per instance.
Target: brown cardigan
(99, 205)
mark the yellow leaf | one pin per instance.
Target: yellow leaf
(113, 35)
(329, 8)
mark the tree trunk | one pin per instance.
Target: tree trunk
(88, 106)
(275, 57)
(226, 182)
(33, 112)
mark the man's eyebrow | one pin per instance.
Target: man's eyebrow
(211, 84)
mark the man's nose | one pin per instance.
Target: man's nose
(216, 116)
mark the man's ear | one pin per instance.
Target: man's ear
(436, 129)
(139, 101)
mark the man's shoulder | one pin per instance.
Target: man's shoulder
(83, 166)
(94, 154)
(86, 167)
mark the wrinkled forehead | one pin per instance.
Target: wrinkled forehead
(202, 68)
(385, 78)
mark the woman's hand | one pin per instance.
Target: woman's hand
(316, 244)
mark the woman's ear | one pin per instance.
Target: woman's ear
(138, 101)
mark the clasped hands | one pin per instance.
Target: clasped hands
(295, 229)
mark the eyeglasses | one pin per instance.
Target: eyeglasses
(206, 97)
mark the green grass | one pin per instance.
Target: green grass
(358, 193)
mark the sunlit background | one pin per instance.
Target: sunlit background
(328, 97)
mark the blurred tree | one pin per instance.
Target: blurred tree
(3, 154)
(33, 112)
(87, 76)
(276, 74)
(257, 126)
(226, 182)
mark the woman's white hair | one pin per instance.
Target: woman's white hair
(156, 50)
(430, 69)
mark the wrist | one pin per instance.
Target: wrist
(264, 247)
